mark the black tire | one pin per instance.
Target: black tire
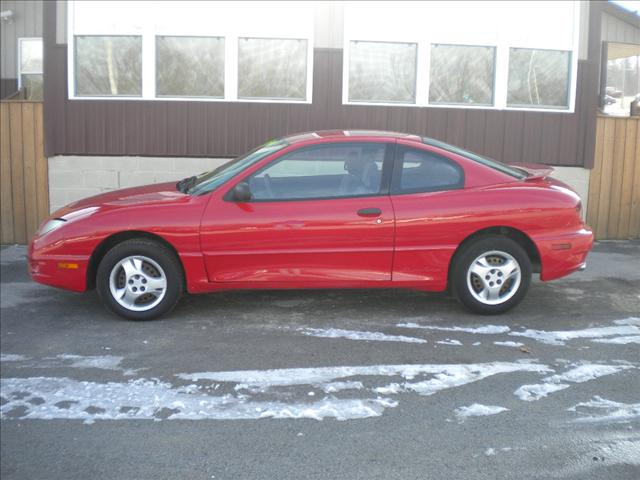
(159, 254)
(463, 260)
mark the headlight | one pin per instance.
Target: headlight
(51, 225)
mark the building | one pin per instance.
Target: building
(142, 92)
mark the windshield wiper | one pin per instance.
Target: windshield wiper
(185, 184)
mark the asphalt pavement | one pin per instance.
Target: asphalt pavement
(333, 384)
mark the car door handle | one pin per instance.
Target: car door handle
(369, 212)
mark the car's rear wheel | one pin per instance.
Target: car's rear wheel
(491, 274)
(140, 279)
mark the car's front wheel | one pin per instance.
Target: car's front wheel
(140, 279)
(491, 274)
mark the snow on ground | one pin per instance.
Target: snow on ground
(12, 357)
(62, 397)
(619, 340)
(102, 362)
(478, 410)
(628, 326)
(449, 341)
(602, 410)
(484, 330)
(314, 376)
(358, 335)
(509, 344)
(579, 374)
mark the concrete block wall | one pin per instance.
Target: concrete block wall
(72, 178)
(578, 179)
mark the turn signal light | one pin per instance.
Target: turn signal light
(68, 266)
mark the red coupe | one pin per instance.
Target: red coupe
(330, 209)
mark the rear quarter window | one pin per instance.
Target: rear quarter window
(422, 171)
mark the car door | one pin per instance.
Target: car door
(318, 214)
(427, 191)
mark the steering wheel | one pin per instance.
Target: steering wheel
(267, 184)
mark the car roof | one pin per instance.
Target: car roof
(356, 134)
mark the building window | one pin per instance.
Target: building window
(461, 74)
(436, 57)
(108, 65)
(382, 72)
(30, 67)
(272, 68)
(190, 66)
(538, 78)
(200, 51)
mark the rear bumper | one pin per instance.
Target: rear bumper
(564, 253)
(62, 271)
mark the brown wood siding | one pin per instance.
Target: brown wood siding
(23, 171)
(226, 129)
(614, 186)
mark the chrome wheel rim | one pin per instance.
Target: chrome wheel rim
(494, 277)
(137, 283)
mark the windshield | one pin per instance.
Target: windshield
(209, 181)
(501, 167)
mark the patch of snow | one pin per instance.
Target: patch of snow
(478, 410)
(65, 398)
(509, 344)
(319, 375)
(560, 337)
(448, 341)
(458, 375)
(602, 410)
(333, 387)
(358, 335)
(529, 393)
(12, 357)
(490, 451)
(102, 362)
(579, 374)
(475, 344)
(628, 321)
(391, 389)
(619, 340)
(484, 330)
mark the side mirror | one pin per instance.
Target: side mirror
(241, 192)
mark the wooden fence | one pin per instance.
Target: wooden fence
(24, 183)
(614, 187)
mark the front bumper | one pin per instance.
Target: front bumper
(62, 271)
(565, 253)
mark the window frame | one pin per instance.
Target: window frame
(384, 102)
(426, 40)
(396, 188)
(149, 32)
(569, 80)
(271, 99)
(103, 97)
(20, 72)
(493, 79)
(188, 97)
(385, 180)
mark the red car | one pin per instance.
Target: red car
(331, 209)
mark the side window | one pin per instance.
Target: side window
(421, 171)
(322, 171)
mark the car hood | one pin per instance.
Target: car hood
(160, 193)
